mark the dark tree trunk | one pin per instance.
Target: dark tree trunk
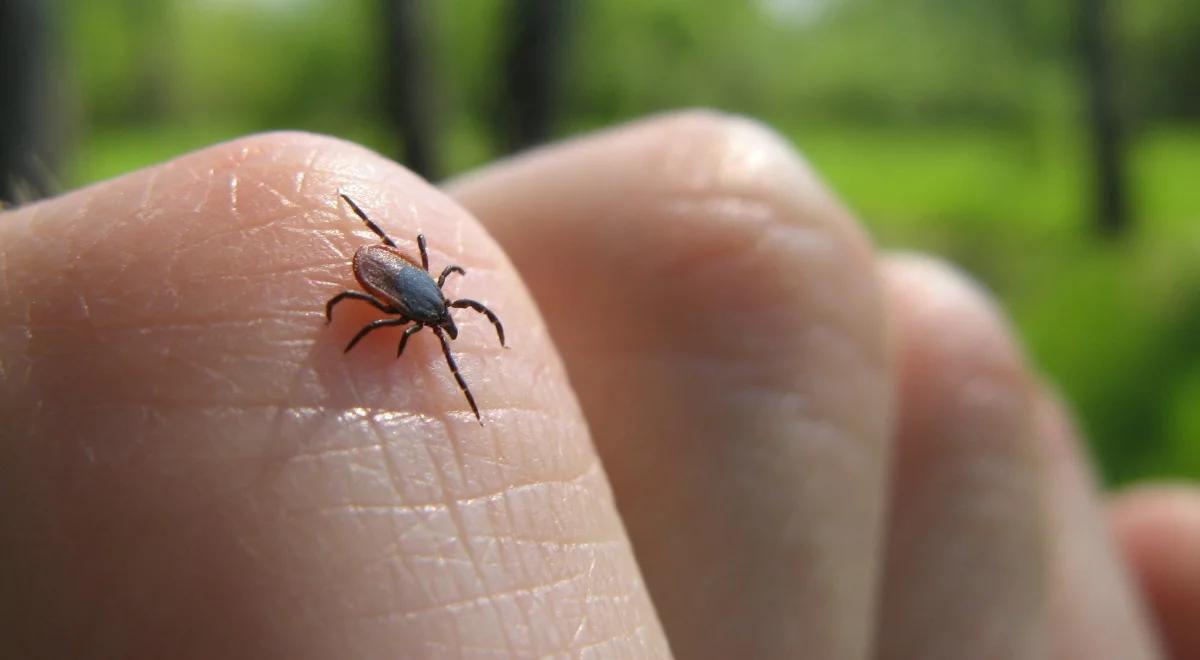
(535, 60)
(30, 126)
(408, 89)
(1107, 130)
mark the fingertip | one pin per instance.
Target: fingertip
(1157, 527)
(957, 353)
(938, 302)
(1160, 520)
(176, 384)
(965, 503)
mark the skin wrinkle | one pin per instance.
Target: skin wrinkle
(583, 576)
(508, 511)
(318, 426)
(394, 472)
(463, 536)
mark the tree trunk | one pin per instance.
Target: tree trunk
(408, 90)
(1107, 130)
(30, 126)
(539, 31)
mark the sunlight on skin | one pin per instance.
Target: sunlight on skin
(190, 461)
(721, 318)
(203, 455)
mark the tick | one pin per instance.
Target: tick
(396, 284)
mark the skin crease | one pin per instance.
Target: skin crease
(190, 467)
(202, 468)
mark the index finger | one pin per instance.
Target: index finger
(189, 461)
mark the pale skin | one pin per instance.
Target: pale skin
(774, 440)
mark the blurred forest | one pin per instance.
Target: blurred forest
(967, 129)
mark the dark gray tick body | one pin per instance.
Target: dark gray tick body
(405, 286)
(397, 285)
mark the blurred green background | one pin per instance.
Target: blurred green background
(966, 129)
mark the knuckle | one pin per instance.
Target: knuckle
(730, 156)
(755, 195)
(957, 351)
(735, 203)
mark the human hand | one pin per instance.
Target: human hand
(814, 450)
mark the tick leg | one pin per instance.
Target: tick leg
(356, 295)
(446, 273)
(372, 326)
(424, 252)
(479, 307)
(462, 384)
(373, 227)
(404, 338)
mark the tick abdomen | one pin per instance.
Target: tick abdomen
(390, 276)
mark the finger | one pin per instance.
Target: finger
(965, 569)
(720, 318)
(188, 460)
(1158, 530)
(1095, 610)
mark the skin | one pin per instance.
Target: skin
(1158, 528)
(725, 422)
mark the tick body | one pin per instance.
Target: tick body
(395, 284)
